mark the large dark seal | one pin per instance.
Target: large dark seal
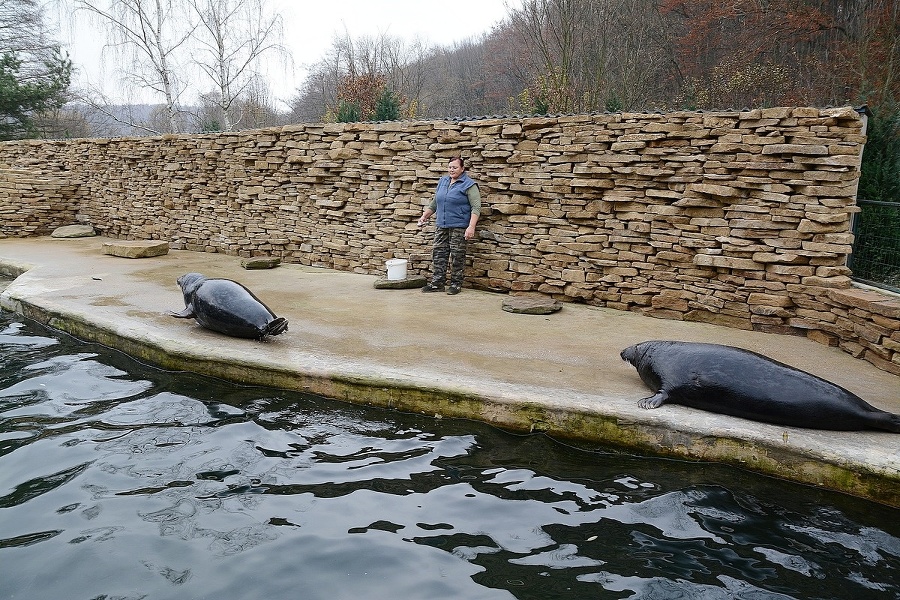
(745, 384)
(227, 307)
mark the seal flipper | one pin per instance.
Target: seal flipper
(886, 421)
(654, 401)
(275, 326)
(893, 423)
(187, 313)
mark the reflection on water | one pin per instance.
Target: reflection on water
(121, 481)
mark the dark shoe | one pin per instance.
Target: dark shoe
(454, 289)
(432, 288)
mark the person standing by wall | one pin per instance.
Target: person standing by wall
(457, 206)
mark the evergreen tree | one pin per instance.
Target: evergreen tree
(349, 112)
(388, 106)
(34, 74)
(23, 94)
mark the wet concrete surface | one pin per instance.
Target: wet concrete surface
(450, 356)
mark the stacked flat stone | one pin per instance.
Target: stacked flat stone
(34, 201)
(739, 218)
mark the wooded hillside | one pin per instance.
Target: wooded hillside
(562, 56)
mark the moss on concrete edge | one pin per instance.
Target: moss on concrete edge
(599, 428)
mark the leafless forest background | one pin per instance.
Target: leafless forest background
(574, 55)
(563, 56)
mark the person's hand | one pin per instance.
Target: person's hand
(422, 221)
(470, 233)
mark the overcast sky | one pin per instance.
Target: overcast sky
(310, 27)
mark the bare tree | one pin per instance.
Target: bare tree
(587, 54)
(255, 108)
(640, 55)
(63, 123)
(457, 86)
(149, 34)
(24, 32)
(313, 98)
(556, 32)
(233, 36)
(396, 65)
(109, 118)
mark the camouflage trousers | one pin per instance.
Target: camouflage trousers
(449, 250)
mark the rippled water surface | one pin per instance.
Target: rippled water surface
(120, 481)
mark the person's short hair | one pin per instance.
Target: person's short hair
(462, 165)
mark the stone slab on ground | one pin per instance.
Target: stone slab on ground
(400, 284)
(261, 262)
(73, 231)
(136, 249)
(527, 305)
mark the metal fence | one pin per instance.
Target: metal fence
(876, 249)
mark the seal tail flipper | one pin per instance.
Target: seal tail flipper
(275, 327)
(887, 421)
(187, 313)
(654, 401)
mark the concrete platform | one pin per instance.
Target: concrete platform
(450, 356)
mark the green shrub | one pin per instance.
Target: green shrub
(349, 112)
(387, 108)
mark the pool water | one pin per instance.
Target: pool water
(122, 481)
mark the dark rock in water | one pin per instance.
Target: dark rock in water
(136, 249)
(73, 231)
(400, 284)
(527, 305)
(261, 262)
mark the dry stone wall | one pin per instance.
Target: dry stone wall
(736, 218)
(32, 203)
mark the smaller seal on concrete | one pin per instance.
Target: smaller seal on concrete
(227, 307)
(741, 383)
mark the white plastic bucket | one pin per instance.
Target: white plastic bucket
(396, 268)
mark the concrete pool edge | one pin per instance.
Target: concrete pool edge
(440, 399)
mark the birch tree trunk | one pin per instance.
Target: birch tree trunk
(148, 35)
(233, 35)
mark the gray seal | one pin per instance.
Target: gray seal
(228, 307)
(741, 383)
